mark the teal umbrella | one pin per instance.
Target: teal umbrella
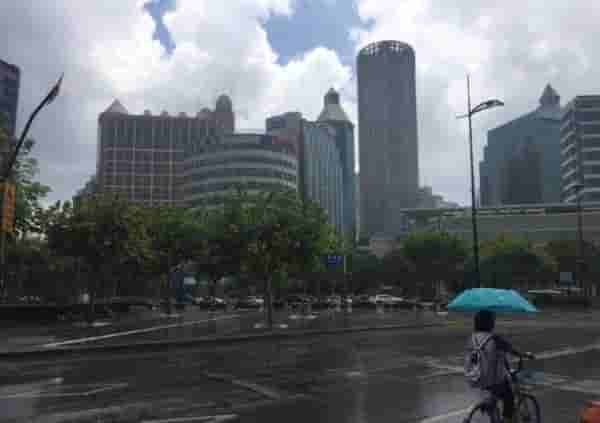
(498, 300)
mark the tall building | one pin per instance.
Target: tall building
(10, 80)
(323, 171)
(343, 131)
(387, 116)
(580, 149)
(140, 157)
(326, 159)
(219, 164)
(521, 163)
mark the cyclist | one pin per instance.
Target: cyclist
(493, 371)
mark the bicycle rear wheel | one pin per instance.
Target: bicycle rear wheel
(528, 409)
(483, 413)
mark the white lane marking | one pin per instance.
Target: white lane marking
(217, 418)
(445, 416)
(38, 394)
(134, 332)
(567, 351)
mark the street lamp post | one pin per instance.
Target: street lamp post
(471, 111)
(580, 262)
(6, 171)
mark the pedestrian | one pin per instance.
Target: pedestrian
(486, 364)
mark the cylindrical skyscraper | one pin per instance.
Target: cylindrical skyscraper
(388, 144)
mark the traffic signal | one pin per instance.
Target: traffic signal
(8, 206)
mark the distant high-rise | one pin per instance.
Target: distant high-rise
(343, 131)
(580, 149)
(521, 163)
(141, 157)
(387, 116)
(10, 79)
(320, 172)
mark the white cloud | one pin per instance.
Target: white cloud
(106, 50)
(511, 49)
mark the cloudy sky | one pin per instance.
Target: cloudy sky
(273, 56)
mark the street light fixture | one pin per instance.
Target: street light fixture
(489, 104)
(580, 262)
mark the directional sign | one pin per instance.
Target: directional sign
(334, 259)
(7, 190)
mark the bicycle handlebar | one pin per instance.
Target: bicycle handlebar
(522, 358)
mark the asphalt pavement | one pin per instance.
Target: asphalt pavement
(408, 375)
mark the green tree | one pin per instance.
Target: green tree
(366, 269)
(222, 240)
(29, 192)
(106, 233)
(508, 262)
(283, 234)
(396, 269)
(173, 232)
(435, 257)
(564, 256)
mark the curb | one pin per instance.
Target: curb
(158, 346)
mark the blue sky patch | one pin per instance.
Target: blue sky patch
(314, 23)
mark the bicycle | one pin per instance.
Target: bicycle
(527, 408)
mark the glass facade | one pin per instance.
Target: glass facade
(323, 179)
(522, 158)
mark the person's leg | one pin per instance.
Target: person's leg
(505, 393)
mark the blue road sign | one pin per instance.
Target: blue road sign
(334, 259)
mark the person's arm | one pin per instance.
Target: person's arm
(504, 345)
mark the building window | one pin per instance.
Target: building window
(587, 116)
(591, 155)
(593, 129)
(591, 143)
(591, 169)
(592, 182)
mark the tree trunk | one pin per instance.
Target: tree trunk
(92, 300)
(269, 303)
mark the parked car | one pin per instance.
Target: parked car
(361, 300)
(250, 302)
(385, 299)
(333, 300)
(206, 302)
(298, 299)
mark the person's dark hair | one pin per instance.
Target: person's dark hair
(485, 321)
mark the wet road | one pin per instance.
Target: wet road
(146, 325)
(410, 375)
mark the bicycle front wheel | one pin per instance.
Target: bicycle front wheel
(483, 413)
(528, 409)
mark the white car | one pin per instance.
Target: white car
(385, 299)
(256, 300)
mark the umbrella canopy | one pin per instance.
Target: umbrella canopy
(499, 300)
